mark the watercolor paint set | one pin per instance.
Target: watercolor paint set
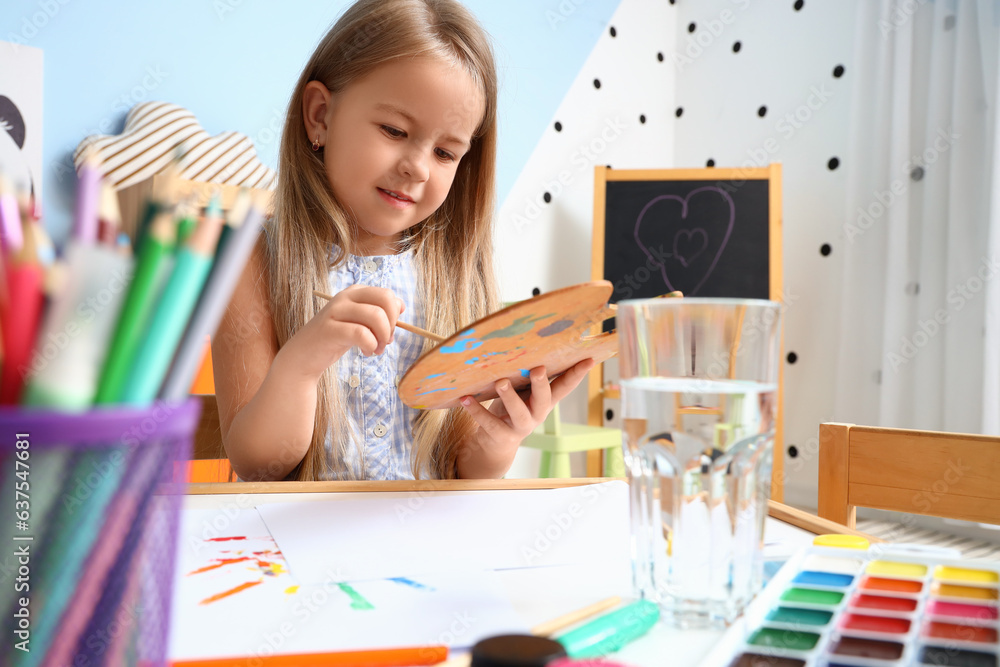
(879, 606)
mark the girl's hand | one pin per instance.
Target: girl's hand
(510, 418)
(359, 316)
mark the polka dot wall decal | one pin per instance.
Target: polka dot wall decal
(792, 357)
(659, 56)
(917, 174)
(737, 46)
(710, 162)
(535, 291)
(614, 33)
(692, 26)
(609, 414)
(642, 118)
(833, 163)
(838, 71)
(597, 83)
(949, 22)
(558, 126)
(547, 197)
(825, 249)
(912, 288)
(793, 451)
(762, 111)
(679, 112)
(798, 5)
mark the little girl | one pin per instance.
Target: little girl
(385, 199)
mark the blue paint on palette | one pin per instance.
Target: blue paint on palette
(525, 372)
(812, 578)
(411, 583)
(431, 391)
(466, 341)
(472, 360)
(433, 375)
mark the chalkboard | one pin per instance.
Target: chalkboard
(704, 232)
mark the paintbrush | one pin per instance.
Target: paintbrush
(402, 325)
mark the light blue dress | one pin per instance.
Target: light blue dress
(369, 384)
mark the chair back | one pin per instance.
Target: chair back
(951, 475)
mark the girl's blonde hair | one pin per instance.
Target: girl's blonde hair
(453, 247)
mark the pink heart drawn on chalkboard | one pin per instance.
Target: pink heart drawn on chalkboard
(691, 255)
(686, 258)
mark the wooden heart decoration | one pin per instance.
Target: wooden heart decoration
(549, 330)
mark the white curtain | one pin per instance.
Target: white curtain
(920, 311)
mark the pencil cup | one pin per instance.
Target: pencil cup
(699, 383)
(91, 507)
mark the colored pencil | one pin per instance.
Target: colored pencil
(172, 313)
(399, 323)
(109, 216)
(79, 324)
(152, 266)
(548, 628)
(19, 316)
(417, 655)
(11, 233)
(226, 272)
(555, 625)
(88, 196)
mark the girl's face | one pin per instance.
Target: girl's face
(394, 139)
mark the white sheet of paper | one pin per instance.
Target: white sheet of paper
(267, 612)
(377, 538)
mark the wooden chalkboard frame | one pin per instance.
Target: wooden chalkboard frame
(596, 391)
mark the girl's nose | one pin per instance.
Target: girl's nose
(414, 165)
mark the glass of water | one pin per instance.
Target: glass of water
(699, 383)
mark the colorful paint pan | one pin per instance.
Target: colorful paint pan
(852, 608)
(891, 585)
(967, 612)
(888, 568)
(965, 593)
(965, 575)
(884, 624)
(883, 603)
(955, 657)
(829, 579)
(960, 632)
(810, 596)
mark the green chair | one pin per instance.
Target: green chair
(557, 441)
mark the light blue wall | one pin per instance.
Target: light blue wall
(233, 63)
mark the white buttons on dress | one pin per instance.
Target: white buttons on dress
(380, 430)
(370, 266)
(354, 381)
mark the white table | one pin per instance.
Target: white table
(533, 592)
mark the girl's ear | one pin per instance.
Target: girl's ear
(315, 106)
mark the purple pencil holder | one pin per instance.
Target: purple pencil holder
(91, 506)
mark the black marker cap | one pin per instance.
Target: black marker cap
(516, 651)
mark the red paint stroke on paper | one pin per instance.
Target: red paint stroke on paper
(231, 591)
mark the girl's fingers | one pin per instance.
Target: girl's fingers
(489, 422)
(517, 410)
(541, 393)
(568, 381)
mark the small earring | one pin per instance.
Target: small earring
(315, 145)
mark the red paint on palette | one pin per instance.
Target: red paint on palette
(895, 626)
(863, 601)
(891, 585)
(965, 633)
(959, 610)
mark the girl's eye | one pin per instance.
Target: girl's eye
(444, 155)
(392, 131)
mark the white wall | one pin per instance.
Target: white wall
(545, 245)
(785, 62)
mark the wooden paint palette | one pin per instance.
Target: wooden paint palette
(548, 330)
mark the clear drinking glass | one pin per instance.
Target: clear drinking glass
(699, 383)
